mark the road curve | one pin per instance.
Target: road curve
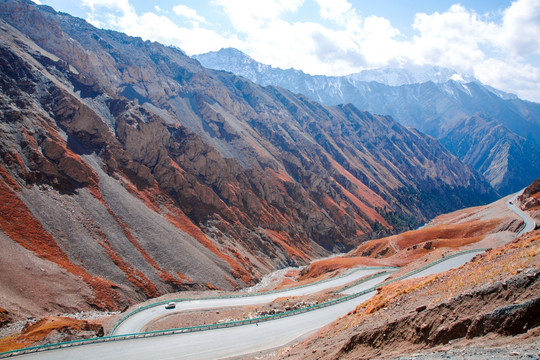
(530, 224)
(211, 344)
(241, 340)
(224, 342)
(451, 263)
(136, 322)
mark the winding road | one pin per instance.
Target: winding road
(529, 223)
(223, 342)
(447, 265)
(136, 322)
(245, 339)
(211, 344)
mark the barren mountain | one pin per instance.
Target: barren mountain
(434, 100)
(478, 227)
(506, 159)
(486, 309)
(129, 171)
(530, 200)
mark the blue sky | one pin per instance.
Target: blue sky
(496, 41)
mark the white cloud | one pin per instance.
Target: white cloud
(353, 45)
(249, 15)
(452, 39)
(474, 44)
(378, 42)
(121, 5)
(521, 27)
(188, 13)
(513, 77)
(193, 40)
(334, 9)
(151, 26)
(287, 45)
(104, 12)
(492, 52)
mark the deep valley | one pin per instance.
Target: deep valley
(131, 176)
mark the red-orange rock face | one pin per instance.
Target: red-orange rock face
(154, 174)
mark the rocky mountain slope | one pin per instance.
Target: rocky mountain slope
(129, 171)
(479, 227)
(530, 201)
(486, 309)
(505, 158)
(436, 101)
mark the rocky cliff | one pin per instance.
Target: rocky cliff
(429, 99)
(130, 171)
(529, 201)
(506, 159)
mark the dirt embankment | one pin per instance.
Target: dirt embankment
(486, 226)
(530, 200)
(489, 301)
(51, 329)
(507, 307)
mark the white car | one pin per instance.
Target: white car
(170, 305)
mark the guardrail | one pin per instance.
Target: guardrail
(185, 329)
(228, 324)
(161, 303)
(356, 283)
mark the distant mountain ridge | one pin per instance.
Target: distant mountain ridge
(434, 100)
(235, 61)
(409, 76)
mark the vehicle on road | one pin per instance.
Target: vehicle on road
(170, 305)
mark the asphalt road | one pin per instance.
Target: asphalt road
(451, 263)
(211, 344)
(225, 342)
(136, 322)
(462, 259)
(241, 340)
(365, 285)
(529, 223)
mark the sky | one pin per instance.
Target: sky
(496, 41)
